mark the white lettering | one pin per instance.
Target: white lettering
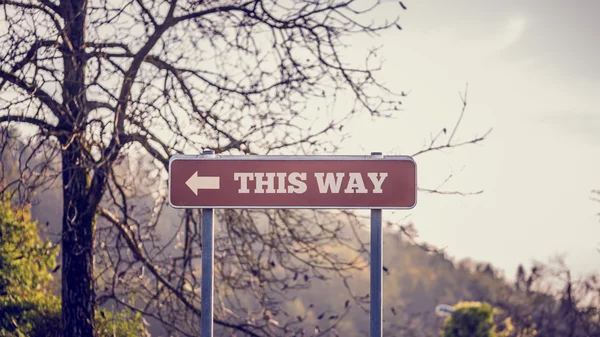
(269, 183)
(243, 178)
(296, 179)
(329, 183)
(377, 182)
(355, 183)
(281, 183)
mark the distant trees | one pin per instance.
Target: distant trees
(27, 307)
(546, 300)
(549, 301)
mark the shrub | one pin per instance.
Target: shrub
(27, 308)
(474, 319)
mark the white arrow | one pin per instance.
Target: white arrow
(196, 182)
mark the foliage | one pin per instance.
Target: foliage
(124, 323)
(27, 308)
(24, 258)
(39, 316)
(473, 319)
(42, 318)
(470, 319)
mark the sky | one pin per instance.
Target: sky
(533, 74)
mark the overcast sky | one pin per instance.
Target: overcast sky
(533, 69)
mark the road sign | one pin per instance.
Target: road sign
(382, 182)
(376, 182)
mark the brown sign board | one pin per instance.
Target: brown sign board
(310, 182)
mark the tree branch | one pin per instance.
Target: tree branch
(93, 105)
(129, 238)
(112, 150)
(29, 120)
(50, 5)
(142, 140)
(448, 145)
(221, 9)
(44, 7)
(29, 56)
(35, 91)
(435, 191)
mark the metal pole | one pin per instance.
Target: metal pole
(376, 269)
(208, 257)
(207, 272)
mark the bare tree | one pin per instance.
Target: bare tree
(106, 91)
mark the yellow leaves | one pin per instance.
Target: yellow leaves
(470, 319)
(506, 328)
(467, 304)
(26, 259)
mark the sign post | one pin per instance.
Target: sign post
(376, 281)
(373, 182)
(208, 264)
(208, 257)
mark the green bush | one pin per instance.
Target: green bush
(41, 318)
(25, 260)
(30, 317)
(474, 319)
(27, 309)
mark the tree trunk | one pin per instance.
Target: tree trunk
(78, 293)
